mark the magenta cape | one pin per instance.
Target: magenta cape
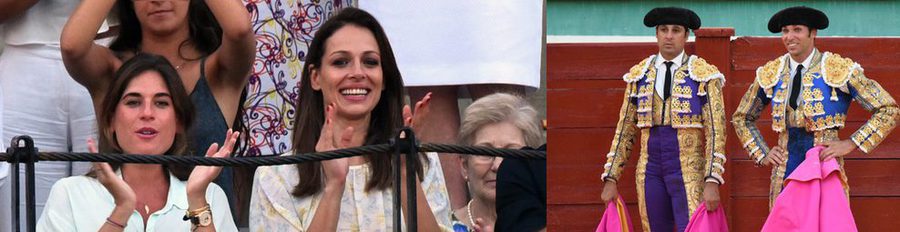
(813, 199)
(615, 218)
(706, 221)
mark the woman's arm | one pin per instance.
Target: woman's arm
(201, 176)
(329, 209)
(10, 9)
(232, 61)
(123, 195)
(89, 64)
(118, 219)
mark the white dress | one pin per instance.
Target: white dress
(273, 208)
(463, 42)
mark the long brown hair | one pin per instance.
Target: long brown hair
(386, 118)
(181, 103)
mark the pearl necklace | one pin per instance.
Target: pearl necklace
(469, 212)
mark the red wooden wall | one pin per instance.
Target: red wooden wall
(585, 92)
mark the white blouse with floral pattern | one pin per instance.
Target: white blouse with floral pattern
(273, 208)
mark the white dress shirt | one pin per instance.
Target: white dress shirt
(793, 64)
(661, 71)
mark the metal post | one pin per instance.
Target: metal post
(398, 219)
(26, 153)
(412, 156)
(14, 162)
(405, 143)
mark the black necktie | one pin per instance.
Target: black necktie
(795, 87)
(667, 88)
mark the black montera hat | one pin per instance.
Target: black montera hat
(798, 15)
(672, 15)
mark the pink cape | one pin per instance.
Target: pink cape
(813, 199)
(615, 218)
(706, 221)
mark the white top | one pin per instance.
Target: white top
(463, 42)
(81, 203)
(273, 208)
(42, 23)
(660, 82)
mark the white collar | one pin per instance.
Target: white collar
(677, 60)
(177, 189)
(806, 63)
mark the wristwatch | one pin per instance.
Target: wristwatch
(201, 217)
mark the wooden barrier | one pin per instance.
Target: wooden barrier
(585, 93)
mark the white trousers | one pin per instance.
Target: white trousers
(42, 101)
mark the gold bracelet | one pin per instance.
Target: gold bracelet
(201, 217)
(195, 212)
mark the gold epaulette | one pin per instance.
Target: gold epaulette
(767, 75)
(636, 72)
(701, 71)
(837, 70)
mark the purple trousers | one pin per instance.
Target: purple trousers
(665, 196)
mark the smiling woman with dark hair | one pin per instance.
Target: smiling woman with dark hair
(145, 112)
(351, 95)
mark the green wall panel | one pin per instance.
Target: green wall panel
(625, 18)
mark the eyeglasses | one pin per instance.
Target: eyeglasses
(482, 158)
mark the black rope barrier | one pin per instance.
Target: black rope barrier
(269, 160)
(208, 161)
(22, 151)
(484, 151)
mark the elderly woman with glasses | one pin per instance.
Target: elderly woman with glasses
(498, 120)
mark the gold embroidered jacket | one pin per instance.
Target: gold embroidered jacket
(695, 108)
(828, 86)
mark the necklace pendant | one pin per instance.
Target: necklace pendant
(146, 209)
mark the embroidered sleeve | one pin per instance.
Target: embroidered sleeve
(875, 99)
(623, 139)
(744, 122)
(714, 125)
